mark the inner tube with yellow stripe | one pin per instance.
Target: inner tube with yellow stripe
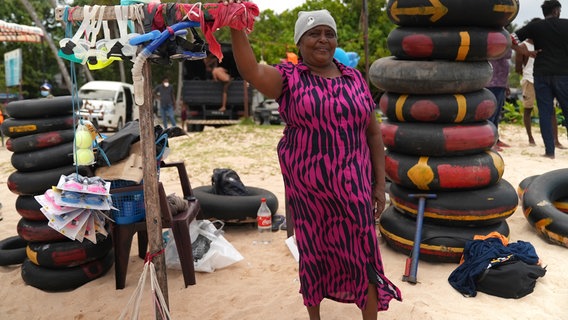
(438, 139)
(439, 243)
(15, 128)
(430, 13)
(444, 173)
(471, 208)
(67, 254)
(56, 280)
(452, 43)
(441, 108)
(429, 76)
(539, 209)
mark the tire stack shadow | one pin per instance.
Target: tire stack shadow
(437, 135)
(40, 136)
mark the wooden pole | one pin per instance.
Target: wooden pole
(150, 174)
(366, 37)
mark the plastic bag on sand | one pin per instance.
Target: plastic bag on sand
(211, 250)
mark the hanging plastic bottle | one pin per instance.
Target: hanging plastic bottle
(264, 222)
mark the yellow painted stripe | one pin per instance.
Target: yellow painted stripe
(421, 174)
(439, 216)
(462, 107)
(505, 8)
(399, 106)
(464, 46)
(410, 243)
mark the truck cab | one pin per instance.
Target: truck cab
(108, 104)
(202, 96)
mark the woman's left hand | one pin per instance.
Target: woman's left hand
(379, 200)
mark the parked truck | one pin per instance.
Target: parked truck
(202, 96)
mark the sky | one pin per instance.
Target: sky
(528, 8)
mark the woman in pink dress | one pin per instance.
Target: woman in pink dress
(332, 160)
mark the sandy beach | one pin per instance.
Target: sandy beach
(265, 284)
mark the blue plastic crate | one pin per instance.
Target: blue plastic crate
(130, 205)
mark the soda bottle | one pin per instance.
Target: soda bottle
(264, 222)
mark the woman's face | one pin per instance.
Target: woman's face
(318, 44)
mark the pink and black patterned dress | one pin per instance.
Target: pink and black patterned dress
(326, 165)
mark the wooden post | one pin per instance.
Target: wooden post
(150, 174)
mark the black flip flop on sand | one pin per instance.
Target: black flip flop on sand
(278, 222)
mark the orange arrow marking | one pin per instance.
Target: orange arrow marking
(437, 10)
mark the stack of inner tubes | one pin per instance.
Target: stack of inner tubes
(437, 134)
(40, 136)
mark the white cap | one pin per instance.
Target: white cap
(311, 19)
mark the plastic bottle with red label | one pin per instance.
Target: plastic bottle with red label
(264, 223)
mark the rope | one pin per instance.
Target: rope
(177, 204)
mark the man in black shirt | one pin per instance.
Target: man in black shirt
(550, 38)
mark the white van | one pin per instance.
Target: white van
(108, 104)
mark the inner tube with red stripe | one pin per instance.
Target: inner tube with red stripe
(442, 108)
(56, 280)
(38, 231)
(29, 208)
(470, 208)
(67, 254)
(438, 13)
(444, 173)
(14, 128)
(458, 44)
(538, 206)
(439, 243)
(42, 107)
(38, 141)
(429, 76)
(12, 250)
(438, 139)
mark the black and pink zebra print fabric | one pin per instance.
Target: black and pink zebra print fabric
(326, 166)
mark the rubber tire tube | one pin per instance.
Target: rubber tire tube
(39, 141)
(38, 231)
(55, 280)
(449, 43)
(560, 204)
(36, 182)
(471, 208)
(67, 254)
(441, 108)
(429, 77)
(41, 107)
(427, 13)
(538, 206)
(439, 243)
(224, 207)
(28, 207)
(12, 251)
(438, 139)
(15, 128)
(444, 173)
(44, 159)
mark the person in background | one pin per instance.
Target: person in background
(499, 86)
(524, 67)
(166, 94)
(332, 160)
(45, 90)
(220, 74)
(550, 66)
